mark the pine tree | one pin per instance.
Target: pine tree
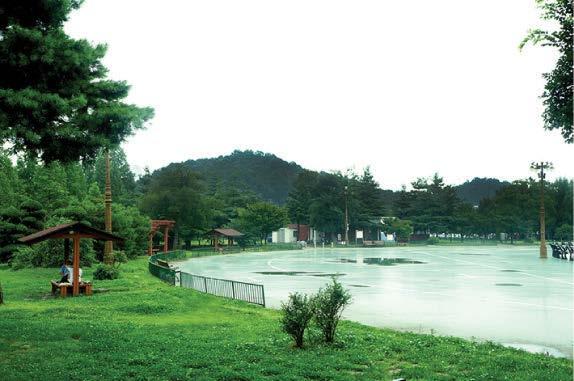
(55, 99)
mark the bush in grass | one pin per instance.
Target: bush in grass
(328, 306)
(433, 241)
(112, 271)
(103, 272)
(297, 313)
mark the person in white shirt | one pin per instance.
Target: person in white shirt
(71, 276)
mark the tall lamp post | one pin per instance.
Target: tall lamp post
(541, 166)
(346, 217)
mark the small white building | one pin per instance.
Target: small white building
(284, 235)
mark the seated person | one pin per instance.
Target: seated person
(71, 276)
(65, 273)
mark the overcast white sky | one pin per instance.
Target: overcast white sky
(409, 88)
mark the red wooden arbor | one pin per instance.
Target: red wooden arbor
(74, 231)
(155, 226)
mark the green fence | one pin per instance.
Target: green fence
(160, 270)
(159, 267)
(248, 292)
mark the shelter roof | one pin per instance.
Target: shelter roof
(67, 231)
(226, 232)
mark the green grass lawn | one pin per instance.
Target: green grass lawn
(143, 329)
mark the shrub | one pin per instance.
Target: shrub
(297, 314)
(329, 304)
(433, 241)
(103, 272)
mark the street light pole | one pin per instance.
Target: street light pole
(540, 167)
(346, 218)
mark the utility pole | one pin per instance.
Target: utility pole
(541, 166)
(346, 217)
(108, 248)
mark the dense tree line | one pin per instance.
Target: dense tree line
(430, 208)
(320, 200)
(35, 196)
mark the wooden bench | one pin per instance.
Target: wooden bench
(162, 263)
(67, 288)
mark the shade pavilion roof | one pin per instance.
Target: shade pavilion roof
(68, 231)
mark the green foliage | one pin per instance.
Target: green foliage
(296, 315)
(106, 272)
(175, 193)
(402, 229)
(122, 178)
(477, 189)
(258, 220)
(563, 233)
(329, 303)
(41, 196)
(433, 241)
(264, 175)
(557, 95)
(53, 85)
(50, 253)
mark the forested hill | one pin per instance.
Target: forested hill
(478, 188)
(264, 174)
(271, 178)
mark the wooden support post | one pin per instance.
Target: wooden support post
(66, 251)
(165, 239)
(76, 280)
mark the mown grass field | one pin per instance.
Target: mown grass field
(143, 329)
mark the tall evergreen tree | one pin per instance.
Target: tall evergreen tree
(55, 99)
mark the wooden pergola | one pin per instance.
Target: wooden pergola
(230, 234)
(71, 231)
(155, 226)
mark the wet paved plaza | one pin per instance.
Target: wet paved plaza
(500, 293)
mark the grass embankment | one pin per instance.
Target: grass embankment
(143, 329)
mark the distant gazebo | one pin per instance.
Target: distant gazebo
(71, 231)
(230, 234)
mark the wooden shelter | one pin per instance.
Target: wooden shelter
(230, 234)
(155, 226)
(74, 231)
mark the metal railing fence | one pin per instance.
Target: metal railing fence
(247, 292)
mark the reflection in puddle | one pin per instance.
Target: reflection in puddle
(296, 273)
(383, 261)
(358, 285)
(508, 284)
(283, 272)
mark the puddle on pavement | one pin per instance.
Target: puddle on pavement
(509, 284)
(383, 261)
(510, 271)
(292, 273)
(358, 285)
(296, 273)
